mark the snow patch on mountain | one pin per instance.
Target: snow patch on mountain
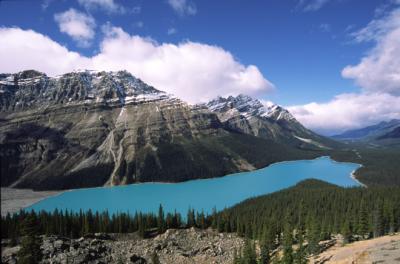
(247, 107)
(31, 88)
(312, 142)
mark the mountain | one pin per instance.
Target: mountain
(248, 115)
(395, 133)
(383, 130)
(90, 128)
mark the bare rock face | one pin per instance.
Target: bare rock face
(87, 128)
(248, 115)
(175, 246)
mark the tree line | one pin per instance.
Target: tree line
(303, 215)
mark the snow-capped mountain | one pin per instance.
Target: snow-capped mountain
(32, 89)
(248, 115)
(90, 128)
(247, 107)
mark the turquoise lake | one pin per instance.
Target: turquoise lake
(201, 194)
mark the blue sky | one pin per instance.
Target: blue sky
(300, 47)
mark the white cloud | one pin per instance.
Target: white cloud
(109, 6)
(183, 7)
(77, 25)
(193, 71)
(312, 5)
(27, 49)
(171, 31)
(379, 70)
(347, 111)
(378, 75)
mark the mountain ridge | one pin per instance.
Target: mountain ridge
(88, 128)
(373, 132)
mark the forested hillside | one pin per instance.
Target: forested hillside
(302, 215)
(380, 165)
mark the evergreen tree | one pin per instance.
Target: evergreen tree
(363, 225)
(300, 255)
(191, 218)
(160, 220)
(287, 245)
(346, 232)
(30, 252)
(378, 222)
(141, 225)
(249, 253)
(313, 236)
(264, 253)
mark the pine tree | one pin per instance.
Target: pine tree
(363, 225)
(300, 255)
(378, 222)
(346, 232)
(287, 245)
(30, 252)
(249, 253)
(313, 236)
(264, 253)
(141, 225)
(160, 220)
(191, 218)
(214, 218)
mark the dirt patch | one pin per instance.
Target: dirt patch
(379, 250)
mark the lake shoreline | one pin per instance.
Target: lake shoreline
(15, 199)
(353, 176)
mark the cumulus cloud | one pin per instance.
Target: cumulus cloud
(183, 7)
(108, 5)
(347, 111)
(27, 49)
(77, 25)
(379, 70)
(192, 71)
(377, 74)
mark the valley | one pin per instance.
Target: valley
(88, 129)
(139, 166)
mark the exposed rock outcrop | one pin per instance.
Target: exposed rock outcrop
(174, 246)
(87, 128)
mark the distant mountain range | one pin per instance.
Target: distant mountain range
(383, 130)
(89, 128)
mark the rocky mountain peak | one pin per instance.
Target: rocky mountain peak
(247, 107)
(31, 88)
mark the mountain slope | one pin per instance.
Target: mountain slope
(370, 132)
(247, 115)
(87, 128)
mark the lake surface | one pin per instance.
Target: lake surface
(201, 194)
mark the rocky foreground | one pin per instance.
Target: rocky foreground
(174, 246)
(182, 246)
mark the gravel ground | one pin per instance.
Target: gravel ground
(12, 200)
(384, 249)
(177, 246)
